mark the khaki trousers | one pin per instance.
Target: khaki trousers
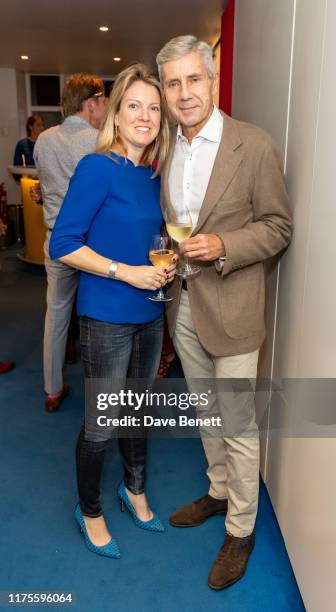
(233, 452)
(61, 291)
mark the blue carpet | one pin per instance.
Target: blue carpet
(41, 549)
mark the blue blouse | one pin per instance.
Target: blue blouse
(113, 207)
(24, 147)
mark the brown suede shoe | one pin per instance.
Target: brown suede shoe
(231, 562)
(52, 404)
(198, 511)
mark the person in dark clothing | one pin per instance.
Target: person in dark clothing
(23, 155)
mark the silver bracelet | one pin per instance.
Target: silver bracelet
(112, 269)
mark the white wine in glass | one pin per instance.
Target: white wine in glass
(179, 227)
(179, 231)
(161, 255)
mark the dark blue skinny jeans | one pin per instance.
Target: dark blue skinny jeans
(113, 351)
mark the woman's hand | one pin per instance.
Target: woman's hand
(142, 277)
(171, 270)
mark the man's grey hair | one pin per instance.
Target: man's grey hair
(182, 45)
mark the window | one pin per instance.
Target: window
(108, 84)
(44, 90)
(43, 97)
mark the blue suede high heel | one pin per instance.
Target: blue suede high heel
(154, 524)
(111, 549)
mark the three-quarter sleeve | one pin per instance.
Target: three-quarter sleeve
(87, 191)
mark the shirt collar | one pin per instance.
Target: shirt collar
(212, 130)
(77, 119)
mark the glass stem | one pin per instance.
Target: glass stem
(187, 265)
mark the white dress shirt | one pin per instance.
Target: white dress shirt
(192, 165)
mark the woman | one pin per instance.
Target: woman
(24, 150)
(104, 228)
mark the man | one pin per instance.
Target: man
(57, 152)
(229, 176)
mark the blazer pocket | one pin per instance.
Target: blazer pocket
(242, 301)
(231, 207)
(224, 220)
(245, 327)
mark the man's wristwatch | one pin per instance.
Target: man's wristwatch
(219, 263)
(112, 269)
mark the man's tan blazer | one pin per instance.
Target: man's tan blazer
(246, 204)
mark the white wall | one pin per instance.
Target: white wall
(9, 130)
(261, 64)
(299, 471)
(260, 95)
(21, 102)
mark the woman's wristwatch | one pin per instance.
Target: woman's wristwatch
(112, 269)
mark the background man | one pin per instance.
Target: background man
(229, 175)
(57, 152)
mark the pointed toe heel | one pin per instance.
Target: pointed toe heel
(111, 549)
(154, 524)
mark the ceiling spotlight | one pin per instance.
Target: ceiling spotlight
(103, 28)
(117, 59)
(25, 57)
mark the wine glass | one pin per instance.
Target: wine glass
(161, 254)
(179, 227)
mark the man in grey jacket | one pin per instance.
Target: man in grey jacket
(57, 153)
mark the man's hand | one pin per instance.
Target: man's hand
(36, 194)
(204, 247)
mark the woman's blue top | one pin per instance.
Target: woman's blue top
(24, 147)
(113, 207)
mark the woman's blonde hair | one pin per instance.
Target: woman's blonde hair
(109, 135)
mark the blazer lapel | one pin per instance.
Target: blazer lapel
(227, 161)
